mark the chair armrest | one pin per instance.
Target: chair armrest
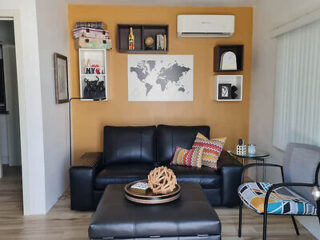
(82, 176)
(245, 168)
(230, 170)
(278, 185)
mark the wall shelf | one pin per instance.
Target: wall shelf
(140, 32)
(93, 86)
(221, 49)
(233, 80)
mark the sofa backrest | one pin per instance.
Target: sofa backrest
(129, 145)
(168, 137)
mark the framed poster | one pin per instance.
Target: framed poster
(160, 77)
(61, 78)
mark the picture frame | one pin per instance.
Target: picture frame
(61, 78)
(224, 91)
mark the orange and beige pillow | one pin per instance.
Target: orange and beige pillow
(190, 158)
(211, 149)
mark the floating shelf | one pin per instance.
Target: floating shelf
(92, 75)
(221, 49)
(140, 32)
(93, 85)
(232, 80)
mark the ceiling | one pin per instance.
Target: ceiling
(167, 2)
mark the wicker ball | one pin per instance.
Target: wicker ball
(162, 180)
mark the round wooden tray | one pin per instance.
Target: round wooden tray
(150, 197)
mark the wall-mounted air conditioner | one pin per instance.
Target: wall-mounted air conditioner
(205, 25)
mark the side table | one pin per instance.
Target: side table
(258, 156)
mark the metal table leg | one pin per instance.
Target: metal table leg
(257, 171)
(264, 170)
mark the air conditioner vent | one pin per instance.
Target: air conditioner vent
(205, 25)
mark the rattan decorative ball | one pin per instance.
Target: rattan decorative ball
(162, 180)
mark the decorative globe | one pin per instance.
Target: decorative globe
(162, 180)
(149, 41)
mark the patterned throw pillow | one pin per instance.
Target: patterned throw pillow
(211, 149)
(190, 158)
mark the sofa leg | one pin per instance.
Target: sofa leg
(240, 219)
(265, 215)
(295, 225)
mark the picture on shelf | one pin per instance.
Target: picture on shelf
(61, 78)
(224, 91)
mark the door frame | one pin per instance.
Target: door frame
(15, 16)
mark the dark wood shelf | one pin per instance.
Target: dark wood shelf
(143, 51)
(140, 32)
(220, 49)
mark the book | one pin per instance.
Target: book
(96, 25)
(139, 187)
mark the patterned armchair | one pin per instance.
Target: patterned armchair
(300, 173)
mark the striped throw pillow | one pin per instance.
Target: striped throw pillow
(190, 158)
(211, 149)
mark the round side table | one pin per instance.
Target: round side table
(258, 156)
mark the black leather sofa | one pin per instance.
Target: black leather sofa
(131, 152)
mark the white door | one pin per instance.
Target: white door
(11, 85)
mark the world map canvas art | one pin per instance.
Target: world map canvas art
(160, 77)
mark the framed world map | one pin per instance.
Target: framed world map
(160, 77)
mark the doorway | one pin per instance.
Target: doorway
(10, 144)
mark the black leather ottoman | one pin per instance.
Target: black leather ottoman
(188, 218)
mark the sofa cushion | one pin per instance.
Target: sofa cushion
(189, 158)
(281, 201)
(211, 149)
(205, 176)
(129, 144)
(122, 173)
(169, 137)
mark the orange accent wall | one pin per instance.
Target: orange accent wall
(230, 119)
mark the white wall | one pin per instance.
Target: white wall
(53, 37)
(40, 30)
(27, 50)
(269, 14)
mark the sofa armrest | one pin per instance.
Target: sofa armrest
(230, 170)
(82, 176)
